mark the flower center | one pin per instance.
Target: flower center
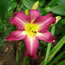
(31, 29)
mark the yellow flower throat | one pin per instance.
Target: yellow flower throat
(31, 29)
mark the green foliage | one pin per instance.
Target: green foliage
(28, 3)
(43, 11)
(53, 2)
(42, 2)
(61, 2)
(60, 56)
(60, 9)
(61, 63)
(56, 7)
(6, 11)
(4, 5)
(62, 22)
(13, 5)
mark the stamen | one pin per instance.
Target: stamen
(31, 29)
(35, 32)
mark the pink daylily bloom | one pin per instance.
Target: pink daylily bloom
(32, 28)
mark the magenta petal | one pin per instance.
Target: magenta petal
(32, 45)
(19, 20)
(45, 21)
(16, 35)
(34, 14)
(47, 37)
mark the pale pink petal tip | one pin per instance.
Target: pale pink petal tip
(53, 41)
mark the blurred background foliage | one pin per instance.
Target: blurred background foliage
(8, 7)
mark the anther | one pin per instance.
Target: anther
(35, 32)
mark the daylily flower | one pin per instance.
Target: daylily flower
(32, 28)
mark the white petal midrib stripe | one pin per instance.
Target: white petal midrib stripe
(45, 21)
(20, 20)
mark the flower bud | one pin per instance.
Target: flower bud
(36, 4)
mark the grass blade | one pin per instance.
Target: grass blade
(57, 58)
(24, 61)
(61, 63)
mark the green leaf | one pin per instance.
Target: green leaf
(52, 3)
(4, 5)
(61, 2)
(58, 10)
(42, 2)
(1, 42)
(28, 3)
(60, 56)
(43, 11)
(61, 63)
(13, 5)
(62, 21)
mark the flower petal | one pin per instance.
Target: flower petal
(32, 45)
(45, 21)
(47, 37)
(19, 20)
(16, 35)
(34, 14)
